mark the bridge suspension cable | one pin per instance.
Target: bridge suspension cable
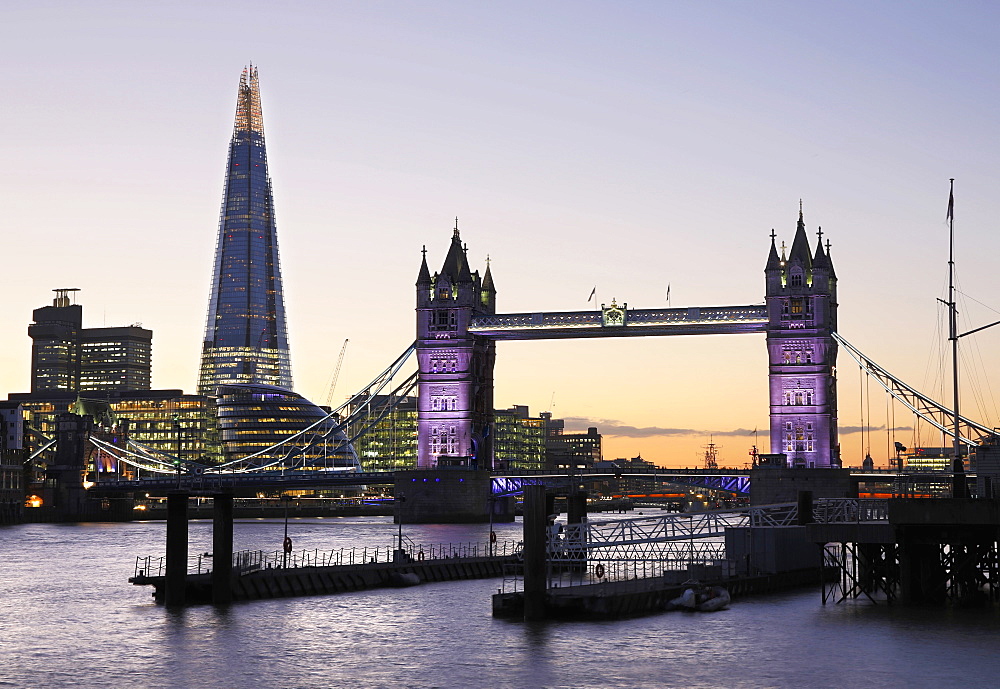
(331, 435)
(934, 413)
(332, 426)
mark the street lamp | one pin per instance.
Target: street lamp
(286, 543)
(400, 499)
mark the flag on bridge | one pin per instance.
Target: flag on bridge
(592, 293)
(951, 204)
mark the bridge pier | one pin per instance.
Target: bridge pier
(535, 522)
(771, 485)
(177, 548)
(448, 496)
(222, 548)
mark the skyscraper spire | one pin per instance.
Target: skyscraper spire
(248, 113)
(245, 335)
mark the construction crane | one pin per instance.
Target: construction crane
(336, 374)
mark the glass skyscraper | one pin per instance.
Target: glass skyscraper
(246, 341)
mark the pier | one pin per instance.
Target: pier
(256, 575)
(620, 568)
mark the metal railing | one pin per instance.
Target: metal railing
(647, 547)
(247, 561)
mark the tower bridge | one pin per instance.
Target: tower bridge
(458, 327)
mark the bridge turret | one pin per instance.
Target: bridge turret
(802, 315)
(774, 270)
(488, 293)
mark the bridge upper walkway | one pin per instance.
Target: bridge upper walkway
(634, 322)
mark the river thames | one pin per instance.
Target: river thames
(68, 618)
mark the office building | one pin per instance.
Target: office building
(391, 442)
(166, 423)
(518, 440)
(245, 336)
(67, 356)
(253, 418)
(11, 463)
(570, 450)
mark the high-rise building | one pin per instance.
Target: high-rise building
(67, 356)
(246, 340)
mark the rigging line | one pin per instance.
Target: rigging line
(985, 306)
(975, 382)
(980, 380)
(904, 392)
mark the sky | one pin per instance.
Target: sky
(625, 146)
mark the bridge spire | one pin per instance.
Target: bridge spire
(488, 279)
(456, 265)
(800, 244)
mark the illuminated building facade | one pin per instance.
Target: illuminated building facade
(67, 356)
(255, 417)
(930, 458)
(518, 439)
(391, 443)
(167, 422)
(245, 334)
(801, 297)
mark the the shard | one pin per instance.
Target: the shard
(245, 336)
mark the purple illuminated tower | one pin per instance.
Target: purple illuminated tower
(801, 300)
(455, 408)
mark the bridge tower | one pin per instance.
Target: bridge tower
(801, 297)
(455, 400)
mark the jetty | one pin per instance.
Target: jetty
(256, 575)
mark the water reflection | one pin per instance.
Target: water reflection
(69, 618)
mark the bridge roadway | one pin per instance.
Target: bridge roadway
(504, 483)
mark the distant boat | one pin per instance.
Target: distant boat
(701, 599)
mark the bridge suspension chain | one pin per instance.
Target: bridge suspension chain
(934, 413)
(332, 434)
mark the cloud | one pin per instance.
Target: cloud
(619, 429)
(848, 430)
(579, 424)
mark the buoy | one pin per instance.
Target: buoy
(287, 545)
(493, 536)
(599, 571)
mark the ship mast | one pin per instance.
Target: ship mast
(959, 487)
